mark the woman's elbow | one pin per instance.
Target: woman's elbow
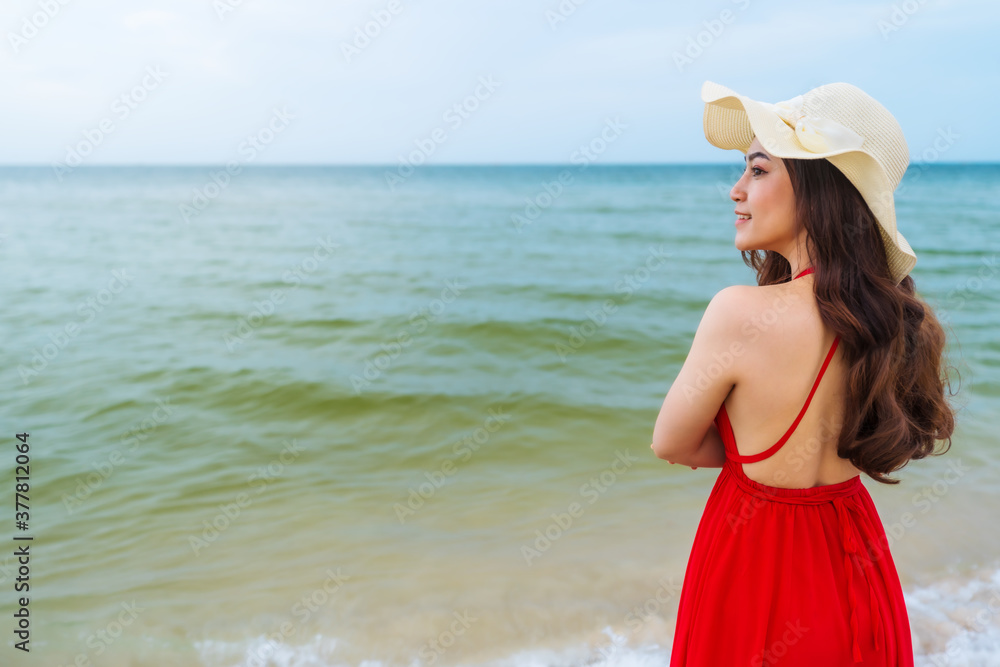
(662, 450)
(664, 442)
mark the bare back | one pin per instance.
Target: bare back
(786, 343)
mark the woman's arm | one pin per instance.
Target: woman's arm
(711, 453)
(685, 430)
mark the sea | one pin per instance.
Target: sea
(362, 416)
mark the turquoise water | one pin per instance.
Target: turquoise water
(313, 420)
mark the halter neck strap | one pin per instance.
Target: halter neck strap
(804, 272)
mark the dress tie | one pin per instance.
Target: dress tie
(852, 542)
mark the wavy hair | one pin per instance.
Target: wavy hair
(892, 342)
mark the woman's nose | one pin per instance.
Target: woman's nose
(737, 193)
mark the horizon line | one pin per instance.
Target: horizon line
(388, 165)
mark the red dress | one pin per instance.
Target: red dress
(789, 576)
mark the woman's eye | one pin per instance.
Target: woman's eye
(754, 170)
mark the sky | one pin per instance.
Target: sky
(508, 81)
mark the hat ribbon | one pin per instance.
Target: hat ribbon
(816, 134)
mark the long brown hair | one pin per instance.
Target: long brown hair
(891, 340)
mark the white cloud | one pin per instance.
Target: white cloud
(152, 17)
(225, 74)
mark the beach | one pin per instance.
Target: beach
(332, 416)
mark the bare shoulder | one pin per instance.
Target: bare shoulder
(760, 319)
(732, 306)
(745, 303)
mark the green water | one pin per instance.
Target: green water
(341, 417)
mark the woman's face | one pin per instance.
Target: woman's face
(764, 192)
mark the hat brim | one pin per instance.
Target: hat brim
(731, 121)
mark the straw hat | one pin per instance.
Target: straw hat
(836, 121)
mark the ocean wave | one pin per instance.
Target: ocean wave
(955, 622)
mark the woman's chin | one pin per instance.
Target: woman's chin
(746, 240)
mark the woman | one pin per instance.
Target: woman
(831, 367)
